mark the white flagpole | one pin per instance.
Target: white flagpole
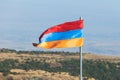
(80, 51)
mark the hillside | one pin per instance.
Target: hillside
(38, 65)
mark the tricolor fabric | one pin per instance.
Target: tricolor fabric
(66, 35)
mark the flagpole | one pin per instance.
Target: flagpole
(80, 51)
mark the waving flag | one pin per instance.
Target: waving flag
(66, 35)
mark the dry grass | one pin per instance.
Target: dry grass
(50, 58)
(102, 57)
(42, 74)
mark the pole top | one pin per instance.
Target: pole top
(81, 18)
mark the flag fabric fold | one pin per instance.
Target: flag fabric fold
(66, 35)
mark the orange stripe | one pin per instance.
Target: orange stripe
(77, 42)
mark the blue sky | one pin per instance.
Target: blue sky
(22, 21)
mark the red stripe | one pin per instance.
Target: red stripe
(65, 27)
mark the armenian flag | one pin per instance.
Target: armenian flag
(65, 35)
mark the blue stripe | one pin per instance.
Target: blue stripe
(62, 35)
